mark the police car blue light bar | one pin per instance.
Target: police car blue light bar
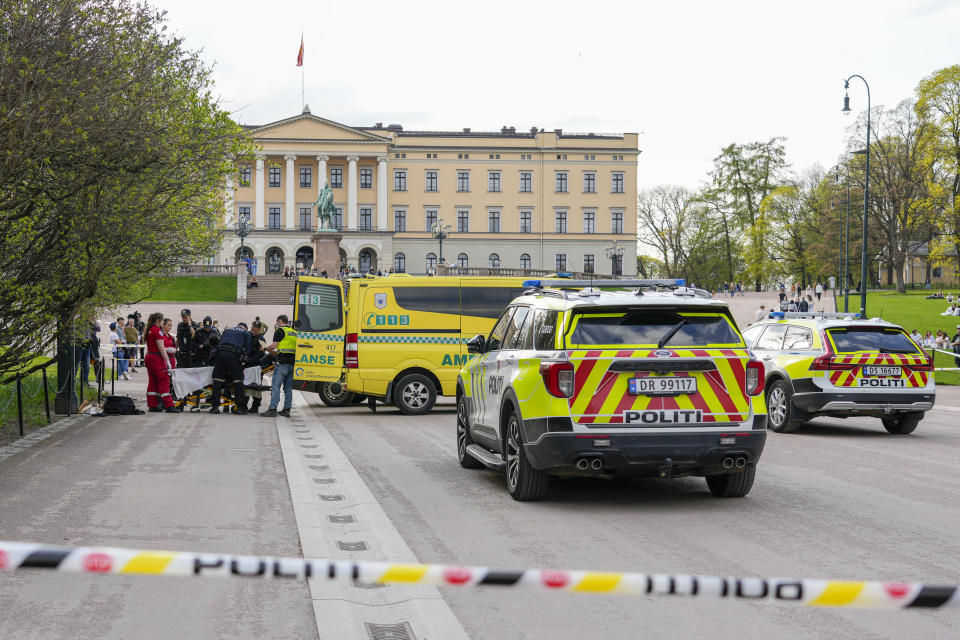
(812, 314)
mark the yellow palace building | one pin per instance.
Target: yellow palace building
(531, 199)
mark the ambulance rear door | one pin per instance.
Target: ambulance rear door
(318, 316)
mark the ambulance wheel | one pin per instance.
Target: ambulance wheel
(524, 483)
(733, 485)
(335, 394)
(902, 422)
(415, 394)
(779, 410)
(464, 439)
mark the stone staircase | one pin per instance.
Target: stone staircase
(271, 289)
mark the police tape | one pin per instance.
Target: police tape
(948, 353)
(817, 593)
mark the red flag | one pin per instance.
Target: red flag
(300, 53)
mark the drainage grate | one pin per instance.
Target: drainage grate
(325, 480)
(341, 519)
(398, 631)
(330, 498)
(352, 546)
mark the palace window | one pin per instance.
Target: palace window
(399, 220)
(400, 263)
(431, 181)
(306, 177)
(589, 182)
(616, 265)
(306, 218)
(273, 176)
(337, 218)
(616, 222)
(366, 178)
(399, 180)
(336, 177)
(431, 261)
(494, 260)
(463, 181)
(366, 218)
(431, 219)
(589, 221)
(493, 218)
(561, 181)
(524, 260)
(526, 221)
(463, 260)
(273, 217)
(244, 176)
(560, 221)
(493, 181)
(463, 221)
(243, 213)
(616, 182)
(588, 263)
(526, 182)
(561, 262)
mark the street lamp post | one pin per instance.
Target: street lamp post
(615, 255)
(241, 230)
(866, 193)
(440, 232)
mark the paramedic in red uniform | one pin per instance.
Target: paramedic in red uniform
(170, 342)
(158, 367)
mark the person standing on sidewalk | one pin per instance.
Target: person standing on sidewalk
(186, 333)
(120, 358)
(131, 336)
(285, 346)
(158, 367)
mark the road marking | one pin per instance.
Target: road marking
(351, 524)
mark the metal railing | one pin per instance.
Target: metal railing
(21, 391)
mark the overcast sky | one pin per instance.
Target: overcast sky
(690, 77)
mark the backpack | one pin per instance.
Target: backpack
(120, 406)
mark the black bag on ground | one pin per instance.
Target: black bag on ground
(120, 406)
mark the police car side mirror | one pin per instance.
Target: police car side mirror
(475, 344)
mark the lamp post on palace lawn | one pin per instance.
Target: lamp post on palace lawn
(241, 229)
(615, 255)
(866, 193)
(440, 232)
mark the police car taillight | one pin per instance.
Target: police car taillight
(753, 384)
(558, 378)
(351, 352)
(827, 363)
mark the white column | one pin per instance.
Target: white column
(228, 201)
(382, 193)
(291, 206)
(352, 193)
(321, 172)
(258, 212)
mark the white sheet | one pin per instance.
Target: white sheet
(187, 381)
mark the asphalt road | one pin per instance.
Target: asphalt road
(840, 499)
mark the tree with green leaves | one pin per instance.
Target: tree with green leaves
(114, 159)
(938, 105)
(745, 174)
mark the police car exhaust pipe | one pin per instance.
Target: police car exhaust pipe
(741, 462)
(583, 464)
(596, 464)
(728, 463)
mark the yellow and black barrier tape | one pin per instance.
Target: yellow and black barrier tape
(816, 593)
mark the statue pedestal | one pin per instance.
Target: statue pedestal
(326, 252)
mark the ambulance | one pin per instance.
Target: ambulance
(401, 340)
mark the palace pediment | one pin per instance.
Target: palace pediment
(308, 127)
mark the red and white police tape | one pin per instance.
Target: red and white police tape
(823, 593)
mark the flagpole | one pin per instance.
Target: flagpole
(303, 100)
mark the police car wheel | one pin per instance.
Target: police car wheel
(733, 485)
(779, 410)
(334, 394)
(463, 436)
(415, 394)
(523, 481)
(902, 422)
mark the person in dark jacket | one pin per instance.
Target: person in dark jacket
(234, 347)
(203, 345)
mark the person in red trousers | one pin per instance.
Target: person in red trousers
(158, 367)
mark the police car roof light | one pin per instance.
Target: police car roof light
(813, 314)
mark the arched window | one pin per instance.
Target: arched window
(400, 263)
(366, 260)
(463, 261)
(524, 260)
(494, 260)
(431, 261)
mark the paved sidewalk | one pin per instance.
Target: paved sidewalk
(155, 481)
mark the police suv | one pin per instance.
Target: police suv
(650, 381)
(837, 365)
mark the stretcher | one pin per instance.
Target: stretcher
(193, 387)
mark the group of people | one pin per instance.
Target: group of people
(732, 288)
(228, 352)
(797, 292)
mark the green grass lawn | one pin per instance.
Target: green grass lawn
(913, 311)
(195, 289)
